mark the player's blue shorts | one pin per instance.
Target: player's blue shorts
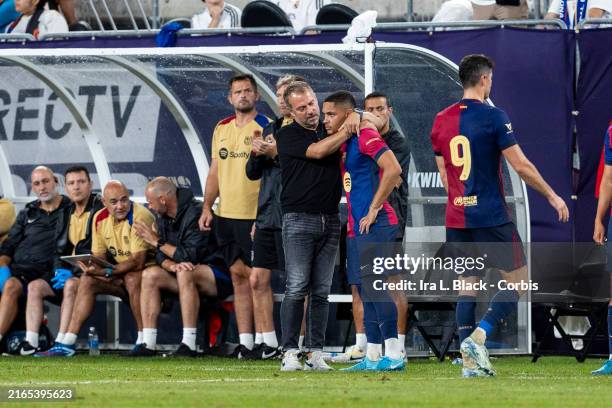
(359, 248)
(500, 246)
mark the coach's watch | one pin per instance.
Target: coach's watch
(359, 112)
(108, 272)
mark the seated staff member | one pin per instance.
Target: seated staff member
(27, 254)
(112, 235)
(189, 263)
(72, 237)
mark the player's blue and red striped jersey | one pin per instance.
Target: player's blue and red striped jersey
(361, 178)
(471, 135)
(606, 158)
(608, 145)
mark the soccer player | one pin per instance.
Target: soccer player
(189, 263)
(310, 195)
(237, 209)
(27, 253)
(268, 252)
(468, 140)
(371, 172)
(112, 233)
(72, 237)
(378, 104)
(603, 207)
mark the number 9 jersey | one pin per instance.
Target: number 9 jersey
(470, 135)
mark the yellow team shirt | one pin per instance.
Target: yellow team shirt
(77, 230)
(7, 217)
(232, 146)
(119, 238)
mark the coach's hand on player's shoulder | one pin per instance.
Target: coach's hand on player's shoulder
(558, 204)
(205, 220)
(146, 233)
(351, 124)
(599, 232)
(368, 220)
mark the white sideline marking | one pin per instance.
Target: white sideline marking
(90, 382)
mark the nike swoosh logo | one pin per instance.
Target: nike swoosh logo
(264, 355)
(26, 353)
(309, 364)
(30, 221)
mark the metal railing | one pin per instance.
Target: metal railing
(590, 23)
(289, 31)
(429, 26)
(16, 37)
(130, 12)
(154, 32)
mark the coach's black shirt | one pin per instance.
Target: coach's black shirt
(31, 241)
(308, 185)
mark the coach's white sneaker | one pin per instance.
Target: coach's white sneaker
(316, 362)
(291, 361)
(353, 354)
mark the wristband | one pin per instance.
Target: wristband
(359, 112)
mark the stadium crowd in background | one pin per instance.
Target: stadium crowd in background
(216, 14)
(39, 17)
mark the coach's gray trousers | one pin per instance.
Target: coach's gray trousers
(310, 242)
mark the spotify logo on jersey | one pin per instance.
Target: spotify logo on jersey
(223, 153)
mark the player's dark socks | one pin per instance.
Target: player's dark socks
(465, 312)
(387, 319)
(370, 323)
(501, 305)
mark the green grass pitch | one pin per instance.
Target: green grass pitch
(113, 381)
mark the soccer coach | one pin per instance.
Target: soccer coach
(310, 195)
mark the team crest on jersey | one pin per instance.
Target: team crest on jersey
(348, 184)
(126, 240)
(248, 140)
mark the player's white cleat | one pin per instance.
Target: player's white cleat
(316, 362)
(291, 361)
(353, 354)
(470, 373)
(475, 358)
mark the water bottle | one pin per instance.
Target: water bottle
(94, 346)
(418, 342)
